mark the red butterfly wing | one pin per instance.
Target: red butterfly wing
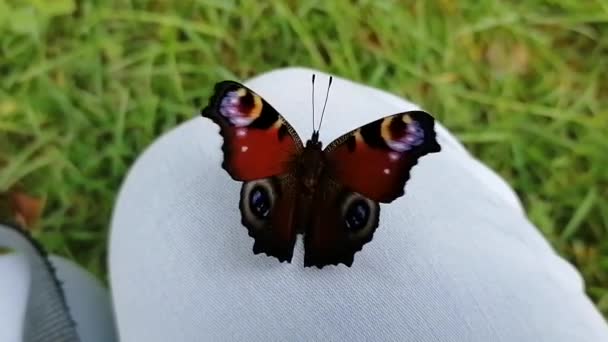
(259, 149)
(375, 160)
(258, 141)
(368, 165)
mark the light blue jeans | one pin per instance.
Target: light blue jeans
(455, 259)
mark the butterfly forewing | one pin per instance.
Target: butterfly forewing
(375, 160)
(258, 141)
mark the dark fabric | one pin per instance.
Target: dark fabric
(47, 317)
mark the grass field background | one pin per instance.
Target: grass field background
(86, 86)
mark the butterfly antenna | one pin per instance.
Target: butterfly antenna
(325, 104)
(313, 102)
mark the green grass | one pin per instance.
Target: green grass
(86, 87)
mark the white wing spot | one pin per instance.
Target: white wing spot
(393, 156)
(244, 148)
(387, 171)
(241, 132)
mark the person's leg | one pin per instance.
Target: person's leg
(32, 307)
(455, 259)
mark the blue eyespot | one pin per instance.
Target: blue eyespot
(357, 215)
(259, 202)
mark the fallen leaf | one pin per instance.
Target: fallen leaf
(25, 209)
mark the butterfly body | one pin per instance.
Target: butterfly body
(330, 195)
(309, 166)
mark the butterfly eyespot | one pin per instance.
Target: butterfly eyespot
(356, 215)
(240, 107)
(402, 135)
(359, 214)
(259, 202)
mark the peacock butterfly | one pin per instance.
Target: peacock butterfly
(330, 195)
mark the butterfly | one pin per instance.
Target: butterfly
(329, 195)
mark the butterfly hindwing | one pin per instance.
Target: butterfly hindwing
(343, 221)
(258, 141)
(267, 210)
(375, 160)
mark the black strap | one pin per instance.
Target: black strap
(47, 317)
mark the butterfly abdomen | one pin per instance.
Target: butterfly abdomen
(310, 165)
